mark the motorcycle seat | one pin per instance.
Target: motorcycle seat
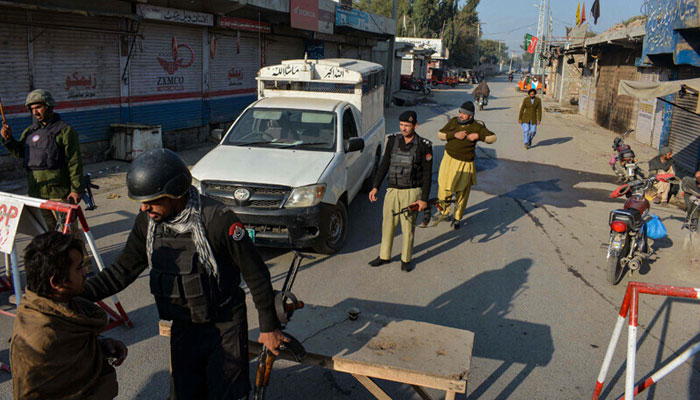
(630, 216)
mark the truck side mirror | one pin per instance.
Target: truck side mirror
(217, 134)
(355, 144)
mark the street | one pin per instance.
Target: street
(525, 273)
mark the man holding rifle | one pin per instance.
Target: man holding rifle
(197, 251)
(50, 149)
(408, 160)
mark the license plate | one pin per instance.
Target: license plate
(251, 233)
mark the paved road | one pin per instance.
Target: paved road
(525, 273)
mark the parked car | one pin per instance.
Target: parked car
(294, 159)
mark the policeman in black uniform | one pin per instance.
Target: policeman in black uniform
(408, 159)
(197, 250)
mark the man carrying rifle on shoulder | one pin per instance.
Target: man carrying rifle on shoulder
(408, 160)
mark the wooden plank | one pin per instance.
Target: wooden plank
(372, 387)
(411, 352)
(421, 392)
(450, 395)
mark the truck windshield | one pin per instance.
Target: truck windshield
(284, 128)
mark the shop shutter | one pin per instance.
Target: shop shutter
(331, 50)
(278, 48)
(14, 69)
(612, 111)
(232, 72)
(80, 69)
(684, 134)
(166, 85)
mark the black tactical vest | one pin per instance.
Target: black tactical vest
(404, 169)
(41, 151)
(182, 288)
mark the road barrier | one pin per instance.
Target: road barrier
(23, 214)
(630, 304)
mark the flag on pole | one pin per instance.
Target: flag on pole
(583, 13)
(578, 14)
(595, 11)
(532, 45)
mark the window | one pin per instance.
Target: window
(349, 127)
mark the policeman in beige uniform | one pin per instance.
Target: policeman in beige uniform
(408, 160)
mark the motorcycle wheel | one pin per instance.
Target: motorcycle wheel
(426, 90)
(615, 269)
(481, 107)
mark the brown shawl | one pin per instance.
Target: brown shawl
(55, 354)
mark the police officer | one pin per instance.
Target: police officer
(50, 150)
(408, 159)
(197, 250)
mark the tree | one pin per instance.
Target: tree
(492, 51)
(444, 19)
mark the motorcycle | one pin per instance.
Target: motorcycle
(482, 101)
(627, 246)
(623, 160)
(417, 85)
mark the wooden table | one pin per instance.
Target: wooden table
(375, 346)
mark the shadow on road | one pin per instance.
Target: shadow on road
(553, 141)
(482, 305)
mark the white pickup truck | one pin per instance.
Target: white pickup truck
(294, 159)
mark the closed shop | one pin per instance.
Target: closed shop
(14, 68)
(280, 48)
(612, 112)
(79, 67)
(166, 76)
(232, 71)
(684, 135)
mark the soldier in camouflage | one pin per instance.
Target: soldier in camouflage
(50, 150)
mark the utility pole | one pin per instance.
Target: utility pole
(536, 61)
(478, 39)
(510, 67)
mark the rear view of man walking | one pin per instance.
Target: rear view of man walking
(530, 116)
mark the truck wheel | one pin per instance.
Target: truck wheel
(334, 227)
(368, 183)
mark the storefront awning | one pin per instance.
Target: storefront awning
(646, 89)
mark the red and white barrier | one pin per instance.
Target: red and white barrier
(13, 207)
(630, 304)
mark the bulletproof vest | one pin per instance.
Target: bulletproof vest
(404, 171)
(181, 286)
(41, 152)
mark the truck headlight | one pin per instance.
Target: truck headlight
(197, 184)
(305, 196)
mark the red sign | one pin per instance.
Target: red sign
(243, 24)
(304, 14)
(533, 45)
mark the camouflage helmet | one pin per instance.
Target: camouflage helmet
(40, 96)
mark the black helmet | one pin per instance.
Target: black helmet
(158, 173)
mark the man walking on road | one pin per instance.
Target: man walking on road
(408, 159)
(530, 116)
(197, 250)
(457, 173)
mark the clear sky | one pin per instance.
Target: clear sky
(510, 20)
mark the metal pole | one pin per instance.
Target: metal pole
(388, 88)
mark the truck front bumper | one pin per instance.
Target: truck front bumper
(283, 227)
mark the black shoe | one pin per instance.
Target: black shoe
(526, 146)
(455, 224)
(378, 262)
(407, 266)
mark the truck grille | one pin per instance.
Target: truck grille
(261, 196)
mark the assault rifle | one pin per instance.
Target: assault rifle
(285, 305)
(439, 204)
